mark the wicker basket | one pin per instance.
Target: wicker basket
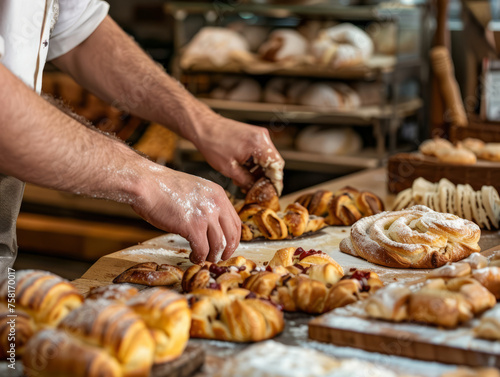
(404, 168)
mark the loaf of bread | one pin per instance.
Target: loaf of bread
(417, 237)
(98, 338)
(284, 45)
(236, 315)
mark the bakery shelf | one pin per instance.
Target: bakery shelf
(267, 112)
(376, 66)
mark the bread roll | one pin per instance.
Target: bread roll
(329, 141)
(283, 44)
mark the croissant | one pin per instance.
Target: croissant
(235, 315)
(98, 338)
(417, 238)
(224, 274)
(150, 274)
(168, 318)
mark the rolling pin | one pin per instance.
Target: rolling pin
(445, 73)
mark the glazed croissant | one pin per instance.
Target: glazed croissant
(150, 274)
(294, 222)
(165, 313)
(222, 275)
(42, 300)
(109, 339)
(417, 238)
(344, 207)
(236, 315)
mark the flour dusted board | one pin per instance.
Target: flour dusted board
(350, 327)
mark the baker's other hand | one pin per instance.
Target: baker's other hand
(228, 145)
(195, 208)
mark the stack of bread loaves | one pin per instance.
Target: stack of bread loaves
(482, 207)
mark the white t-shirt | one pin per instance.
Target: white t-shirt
(31, 32)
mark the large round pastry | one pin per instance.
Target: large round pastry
(417, 237)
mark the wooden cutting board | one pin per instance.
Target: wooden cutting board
(350, 327)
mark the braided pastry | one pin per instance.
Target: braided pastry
(417, 238)
(109, 339)
(42, 300)
(263, 194)
(222, 275)
(150, 274)
(316, 202)
(168, 318)
(294, 222)
(236, 315)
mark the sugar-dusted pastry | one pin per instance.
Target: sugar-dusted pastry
(476, 261)
(389, 303)
(479, 298)
(150, 274)
(99, 338)
(489, 325)
(114, 292)
(417, 237)
(236, 316)
(489, 277)
(167, 316)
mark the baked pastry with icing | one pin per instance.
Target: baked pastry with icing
(417, 237)
(236, 315)
(109, 339)
(150, 274)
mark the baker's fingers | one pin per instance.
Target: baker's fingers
(240, 176)
(199, 245)
(232, 231)
(216, 241)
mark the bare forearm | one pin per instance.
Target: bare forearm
(40, 144)
(116, 69)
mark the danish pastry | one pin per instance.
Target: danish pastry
(109, 339)
(236, 315)
(150, 274)
(417, 237)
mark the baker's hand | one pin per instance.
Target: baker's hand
(228, 145)
(192, 207)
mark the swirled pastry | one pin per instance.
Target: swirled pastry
(108, 338)
(150, 274)
(414, 238)
(236, 315)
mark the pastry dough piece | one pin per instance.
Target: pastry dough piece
(439, 307)
(150, 274)
(263, 194)
(489, 325)
(234, 316)
(404, 200)
(349, 205)
(491, 152)
(316, 202)
(417, 237)
(489, 277)
(479, 298)
(432, 146)
(491, 204)
(168, 318)
(222, 275)
(115, 292)
(284, 44)
(389, 303)
(98, 338)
